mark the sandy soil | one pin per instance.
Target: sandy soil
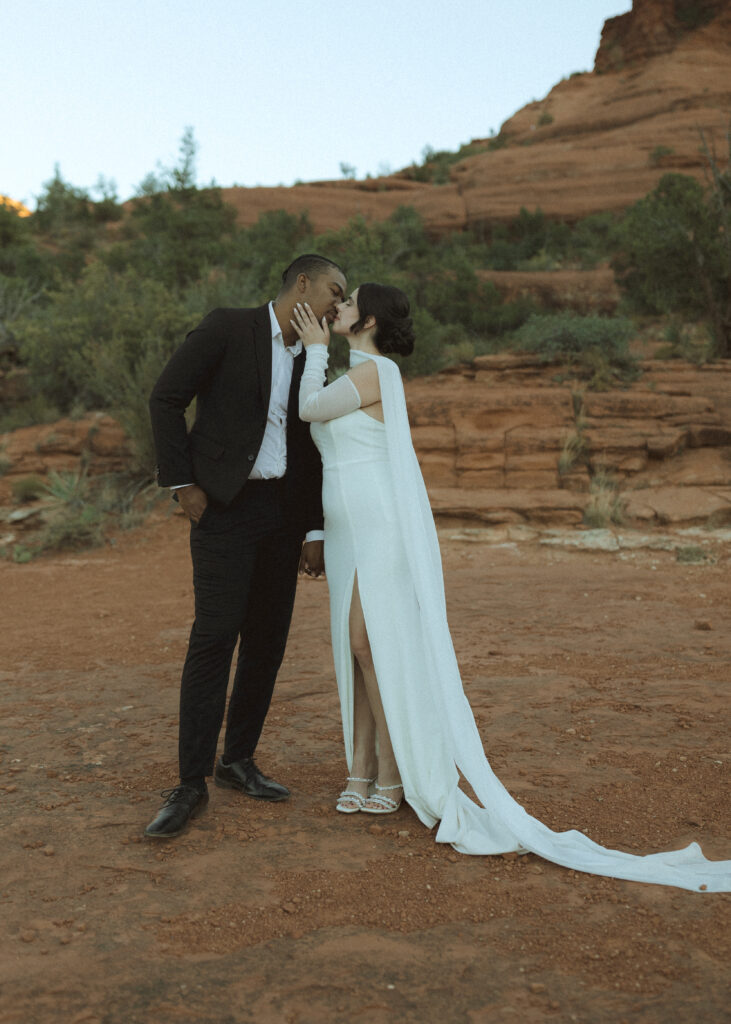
(598, 682)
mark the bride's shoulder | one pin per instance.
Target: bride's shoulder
(367, 372)
(365, 378)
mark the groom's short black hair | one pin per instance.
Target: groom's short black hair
(309, 263)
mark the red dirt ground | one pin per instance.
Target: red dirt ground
(598, 681)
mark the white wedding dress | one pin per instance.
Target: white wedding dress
(378, 525)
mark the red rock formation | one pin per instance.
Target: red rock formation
(598, 141)
(652, 27)
(96, 441)
(494, 442)
(493, 438)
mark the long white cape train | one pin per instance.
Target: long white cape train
(501, 825)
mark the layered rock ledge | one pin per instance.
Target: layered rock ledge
(508, 439)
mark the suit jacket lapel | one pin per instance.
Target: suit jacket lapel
(263, 350)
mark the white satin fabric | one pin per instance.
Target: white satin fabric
(379, 525)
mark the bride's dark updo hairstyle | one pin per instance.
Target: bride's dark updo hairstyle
(390, 309)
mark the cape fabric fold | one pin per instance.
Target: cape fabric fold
(500, 825)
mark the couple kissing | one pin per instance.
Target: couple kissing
(282, 473)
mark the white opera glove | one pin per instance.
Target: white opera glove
(319, 402)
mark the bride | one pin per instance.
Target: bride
(408, 727)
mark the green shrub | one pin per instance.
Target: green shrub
(20, 255)
(430, 347)
(28, 413)
(27, 488)
(80, 510)
(594, 347)
(102, 343)
(692, 554)
(592, 240)
(435, 164)
(676, 252)
(659, 153)
(73, 521)
(685, 341)
(262, 251)
(174, 236)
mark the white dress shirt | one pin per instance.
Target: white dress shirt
(271, 462)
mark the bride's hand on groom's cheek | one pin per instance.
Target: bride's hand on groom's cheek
(309, 329)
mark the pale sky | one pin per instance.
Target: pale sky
(275, 91)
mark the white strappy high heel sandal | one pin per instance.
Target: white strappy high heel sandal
(350, 797)
(382, 804)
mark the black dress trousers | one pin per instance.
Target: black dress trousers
(245, 560)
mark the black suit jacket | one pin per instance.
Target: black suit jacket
(225, 363)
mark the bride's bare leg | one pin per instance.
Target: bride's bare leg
(365, 765)
(388, 772)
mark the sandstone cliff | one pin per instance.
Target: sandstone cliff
(502, 441)
(598, 141)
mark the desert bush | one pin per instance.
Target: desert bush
(380, 251)
(435, 164)
(499, 141)
(31, 411)
(685, 341)
(676, 252)
(74, 521)
(64, 213)
(692, 554)
(574, 451)
(533, 241)
(61, 206)
(605, 504)
(524, 238)
(592, 240)
(28, 488)
(176, 231)
(432, 342)
(102, 343)
(17, 297)
(594, 347)
(80, 511)
(438, 276)
(262, 251)
(658, 154)
(173, 237)
(21, 258)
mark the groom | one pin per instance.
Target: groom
(249, 477)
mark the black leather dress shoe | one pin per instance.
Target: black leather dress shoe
(182, 804)
(246, 777)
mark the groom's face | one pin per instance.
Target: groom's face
(324, 292)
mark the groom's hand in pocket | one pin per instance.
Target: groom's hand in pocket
(312, 559)
(193, 500)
